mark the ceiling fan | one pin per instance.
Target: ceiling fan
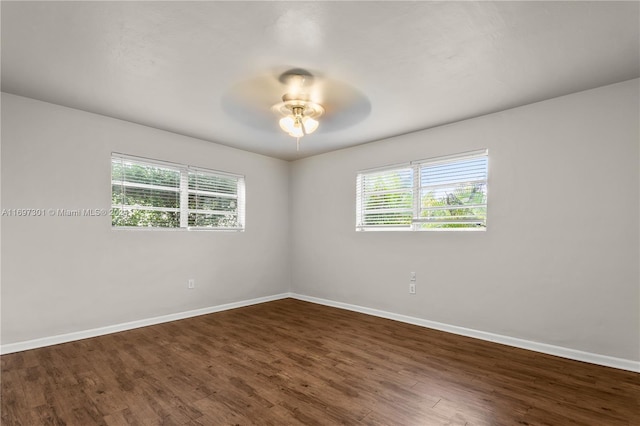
(299, 101)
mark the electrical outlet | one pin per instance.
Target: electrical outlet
(412, 287)
(192, 284)
(413, 276)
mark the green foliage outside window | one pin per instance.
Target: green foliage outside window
(149, 195)
(164, 194)
(452, 193)
(389, 199)
(456, 198)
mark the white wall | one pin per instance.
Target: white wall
(66, 274)
(554, 266)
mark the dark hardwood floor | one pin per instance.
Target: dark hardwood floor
(292, 362)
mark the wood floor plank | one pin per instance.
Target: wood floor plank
(290, 362)
(15, 409)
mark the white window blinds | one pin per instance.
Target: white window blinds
(214, 200)
(453, 192)
(439, 193)
(144, 194)
(385, 198)
(148, 193)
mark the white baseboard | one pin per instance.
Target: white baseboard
(620, 363)
(608, 361)
(85, 334)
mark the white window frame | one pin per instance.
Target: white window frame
(184, 191)
(417, 219)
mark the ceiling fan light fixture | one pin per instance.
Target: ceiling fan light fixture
(287, 123)
(297, 133)
(299, 116)
(294, 126)
(310, 125)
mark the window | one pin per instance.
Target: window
(439, 193)
(385, 198)
(215, 200)
(148, 193)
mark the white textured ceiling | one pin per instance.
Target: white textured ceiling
(419, 64)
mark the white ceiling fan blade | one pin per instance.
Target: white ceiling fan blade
(249, 102)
